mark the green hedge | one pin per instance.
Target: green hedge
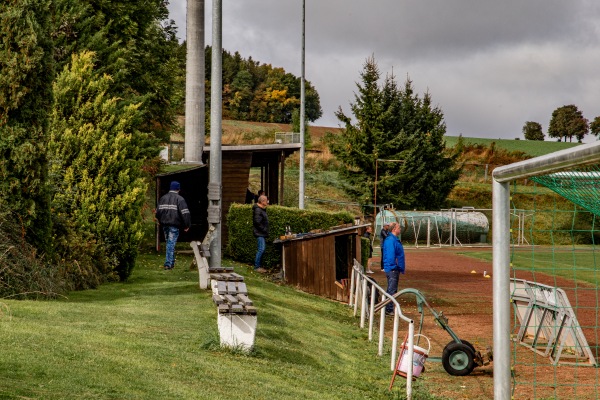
(364, 251)
(242, 243)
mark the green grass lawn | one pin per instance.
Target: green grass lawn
(579, 263)
(155, 337)
(532, 147)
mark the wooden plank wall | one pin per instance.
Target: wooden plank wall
(310, 266)
(235, 173)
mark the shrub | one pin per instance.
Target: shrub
(97, 152)
(242, 244)
(365, 249)
(22, 273)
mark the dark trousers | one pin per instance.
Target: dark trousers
(392, 287)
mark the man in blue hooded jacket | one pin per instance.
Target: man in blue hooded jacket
(393, 262)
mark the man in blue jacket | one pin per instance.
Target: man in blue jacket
(393, 262)
(172, 214)
(260, 224)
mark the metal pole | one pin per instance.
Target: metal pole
(302, 111)
(501, 289)
(194, 82)
(216, 114)
(375, 196)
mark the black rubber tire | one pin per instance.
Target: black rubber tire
(469, 344)
(458, 359)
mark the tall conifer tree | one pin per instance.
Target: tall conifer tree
(96, 151)
(398, 125)
(26, 71)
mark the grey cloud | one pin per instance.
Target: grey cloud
(490, 65)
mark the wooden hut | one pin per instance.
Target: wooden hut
(321, 263)
(235, 173)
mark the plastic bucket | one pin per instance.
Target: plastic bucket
(419, 357)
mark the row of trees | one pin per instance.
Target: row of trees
(260, 92)
(567, 122)
(401, 135)
(86, 98)
(88, 92)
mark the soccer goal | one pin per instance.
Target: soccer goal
(546, 276)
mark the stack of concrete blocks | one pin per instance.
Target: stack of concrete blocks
(236, 314)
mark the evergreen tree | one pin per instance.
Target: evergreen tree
(96, 152)
(406, 134)
(134, 44)
(25, 91)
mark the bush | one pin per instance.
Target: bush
(23, 274)
(365, 249)
(242, 244)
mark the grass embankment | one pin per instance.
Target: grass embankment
(532, 147)
(156, 337)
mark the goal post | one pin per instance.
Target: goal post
(502, 177)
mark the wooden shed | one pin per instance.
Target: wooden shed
(235, 173)
(321, 263)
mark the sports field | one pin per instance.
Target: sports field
(445, 277)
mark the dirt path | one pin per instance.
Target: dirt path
(446, 281)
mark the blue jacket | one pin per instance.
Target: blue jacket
(393, 254)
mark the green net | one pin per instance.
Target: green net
(554, 285)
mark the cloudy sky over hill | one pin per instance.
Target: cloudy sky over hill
(489, 65)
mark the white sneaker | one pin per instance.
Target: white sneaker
(370, 272)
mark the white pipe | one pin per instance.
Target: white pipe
(501, 289)
(351, 297)
(381, 332)
(371, 314)
(363, 304)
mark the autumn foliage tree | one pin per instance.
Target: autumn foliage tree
(260, 92)
(568, 122)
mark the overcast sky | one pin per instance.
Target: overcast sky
(489, 65)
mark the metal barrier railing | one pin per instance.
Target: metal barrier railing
(359, 283)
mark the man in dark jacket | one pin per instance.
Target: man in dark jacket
(172, 214)
(260, 224)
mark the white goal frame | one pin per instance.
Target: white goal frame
(501, 178)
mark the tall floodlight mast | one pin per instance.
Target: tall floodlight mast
(216, 113)
(194, 82)
(302, 112)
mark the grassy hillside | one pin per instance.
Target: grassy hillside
(532, 147)
(155, 337)
(235, 132)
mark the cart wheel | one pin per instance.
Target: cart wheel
(470, 345)
(457, 358)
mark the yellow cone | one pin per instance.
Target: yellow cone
(473, 272)
(487, 276)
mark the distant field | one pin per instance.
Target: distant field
(532, 147)
(236, 132)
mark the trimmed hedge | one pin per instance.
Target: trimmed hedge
(365, 249)
(242, 243)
